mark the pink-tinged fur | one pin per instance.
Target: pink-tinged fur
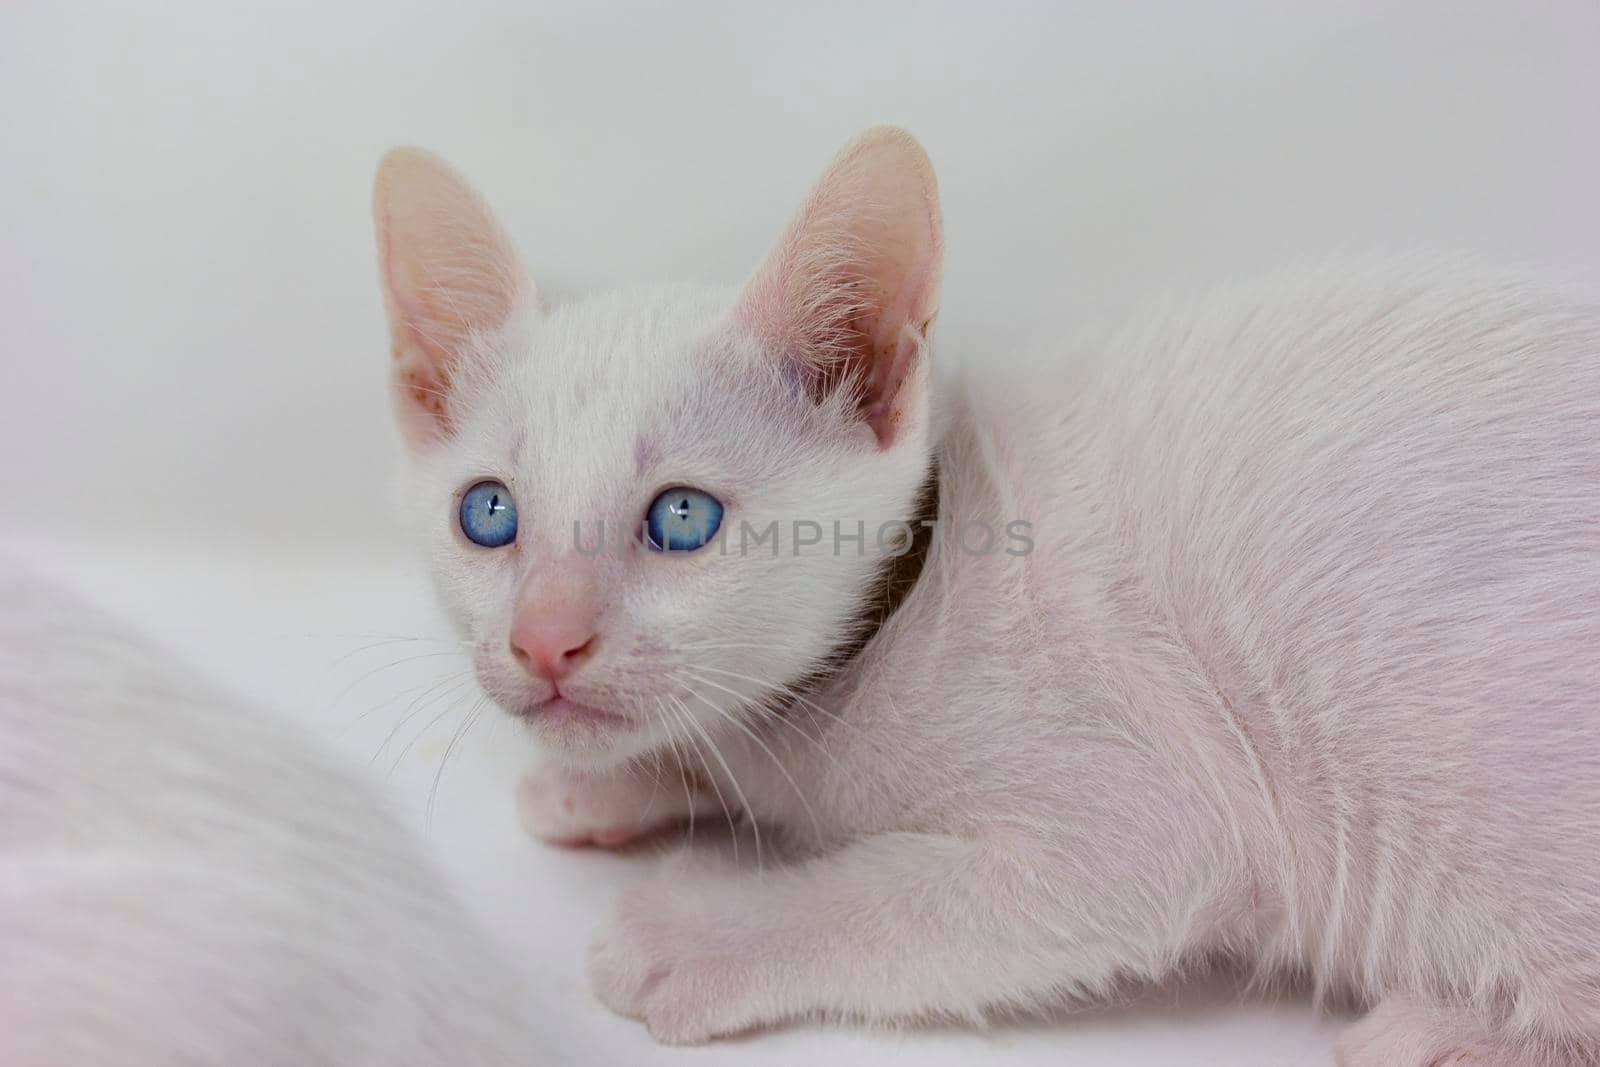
(1303, 670)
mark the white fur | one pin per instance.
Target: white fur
(184, 881)
(1304, 670)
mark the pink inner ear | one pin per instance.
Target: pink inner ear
(877, 364)
(850, 292)
(910, 314)
(874, 353)
(422, 356)
(447, 270)
(420, 394)
(880, 405)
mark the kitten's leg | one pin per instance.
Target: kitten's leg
(893, 926)
(1403, 1031)
(566, 807)
(1400, 1033)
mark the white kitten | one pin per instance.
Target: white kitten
(186, 881)
(1303, 667)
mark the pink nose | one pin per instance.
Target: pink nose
(553, 629)
(552, 645)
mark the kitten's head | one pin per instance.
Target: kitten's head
(664, 418)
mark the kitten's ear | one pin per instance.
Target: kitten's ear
(447, 271)
(850, 292)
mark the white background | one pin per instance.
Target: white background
(192, 416)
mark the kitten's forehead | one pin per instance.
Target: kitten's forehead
(595, 398)
(620, 343)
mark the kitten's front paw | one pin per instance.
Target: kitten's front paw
(672, 959)
(1402, 1032)
(566, 808)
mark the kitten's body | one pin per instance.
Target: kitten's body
(1303, 667)
(1305, 663)
(185, 881)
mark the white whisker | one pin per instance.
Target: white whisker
(444, 688)
(401, 758)
(755, 738)
(778, 715)
(467, 723)
(346, 691)
(733, 780)
(782, 687)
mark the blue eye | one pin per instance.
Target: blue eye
(489, 515)
(682, 520)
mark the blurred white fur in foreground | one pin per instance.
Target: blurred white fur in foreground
(187, 881)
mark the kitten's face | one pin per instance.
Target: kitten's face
(587, 412)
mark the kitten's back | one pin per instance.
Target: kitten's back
(1366, 502)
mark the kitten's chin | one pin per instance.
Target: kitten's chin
(582, 734)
